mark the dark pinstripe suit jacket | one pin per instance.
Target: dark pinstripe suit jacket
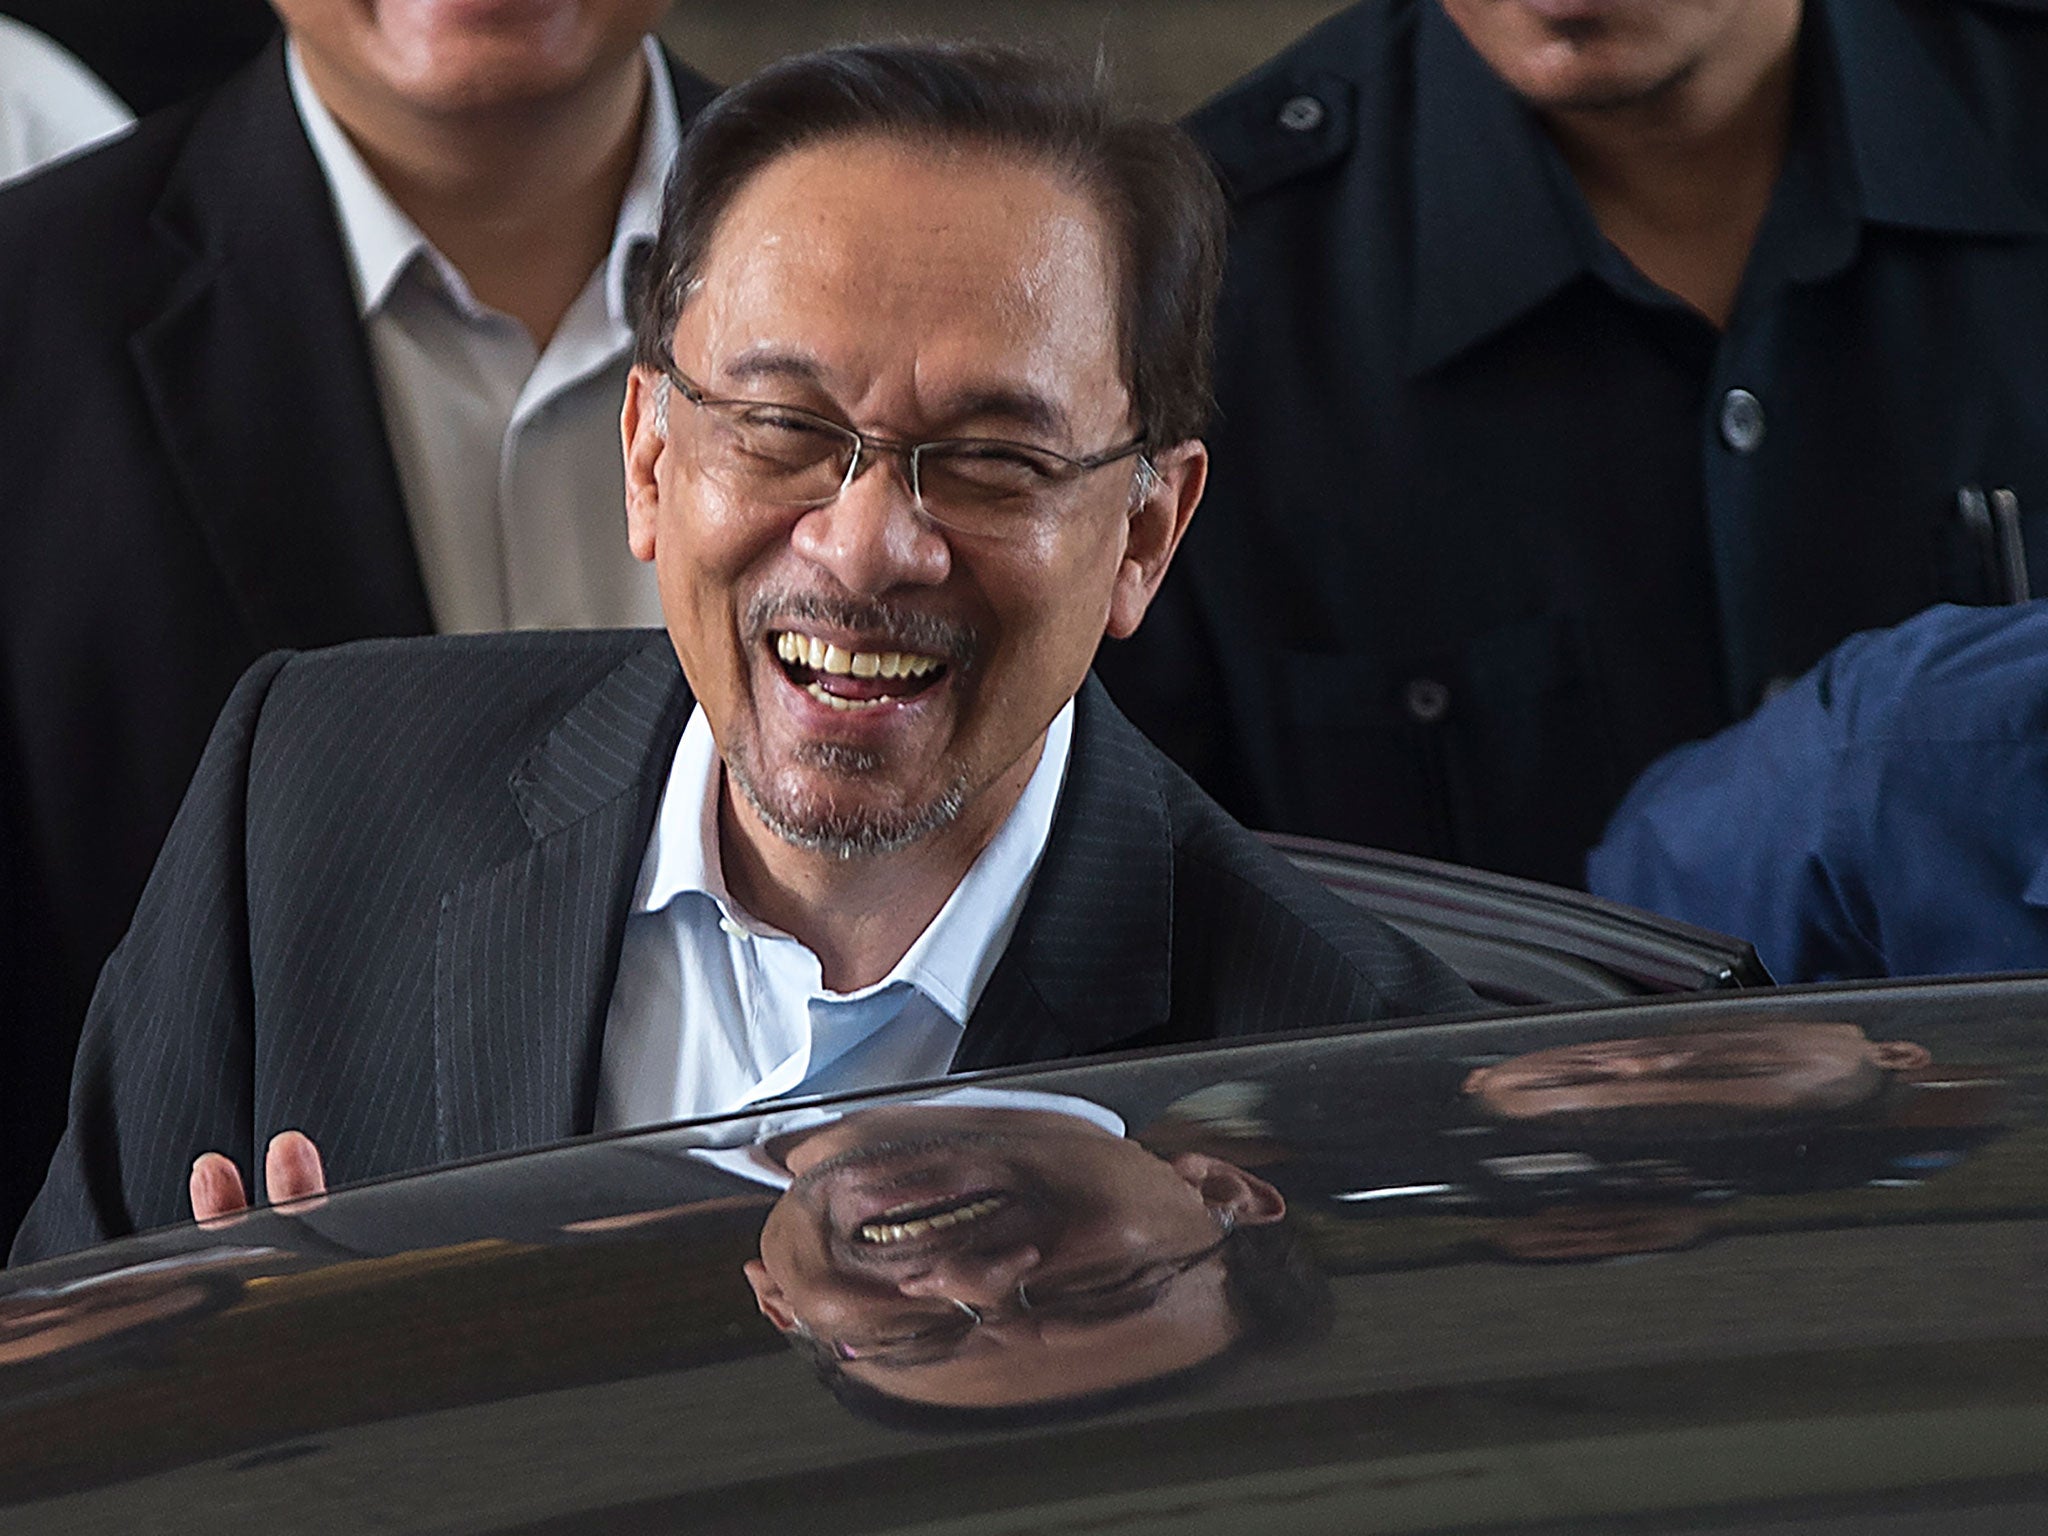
(390, 910)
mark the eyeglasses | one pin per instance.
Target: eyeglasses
(1125, 1296)
(986, 487)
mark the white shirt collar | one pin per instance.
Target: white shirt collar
(741, 1146)
(382, 242)
(953, 958)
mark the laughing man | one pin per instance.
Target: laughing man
(913, 424)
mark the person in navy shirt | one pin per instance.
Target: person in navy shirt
(1585, 373)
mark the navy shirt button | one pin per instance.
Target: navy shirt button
(1301, 114)
(1427, 700)
(1742, 420)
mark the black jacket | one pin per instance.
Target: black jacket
(1487, 528)
(193, 472)
(390, 912)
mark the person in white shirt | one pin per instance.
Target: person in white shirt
(50, 104)
(493, 279)
(333, 351)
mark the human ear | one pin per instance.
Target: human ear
(769, 1298)
(1158, 517)
(1900, 1055)
(643, 432)
(1251, 1201)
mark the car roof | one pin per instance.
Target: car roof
(1841, 1315)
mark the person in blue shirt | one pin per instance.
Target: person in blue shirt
(1884, 815)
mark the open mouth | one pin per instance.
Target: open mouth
(854, 680)
(908, 1223)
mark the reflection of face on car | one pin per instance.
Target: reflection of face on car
(1665, 1129)
(561, 1340)
(1754, 1073)
(981, 1257)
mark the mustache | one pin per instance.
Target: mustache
(896, 629)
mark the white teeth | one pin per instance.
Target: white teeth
(843, 704)
(884, 1232)
(819, 656)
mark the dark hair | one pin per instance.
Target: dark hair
(1277, 1293)
(1159, 201)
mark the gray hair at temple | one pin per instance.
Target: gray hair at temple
(1159, 200)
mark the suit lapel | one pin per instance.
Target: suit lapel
(259, 379)
(1090, 962)
(526, 952)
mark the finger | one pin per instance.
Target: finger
(216, 1187)
(291, 1168)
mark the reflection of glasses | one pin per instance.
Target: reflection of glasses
(1125, 1296)
(786, 456)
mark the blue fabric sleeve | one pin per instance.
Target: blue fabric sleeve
(1734, 833)
(1886, 815)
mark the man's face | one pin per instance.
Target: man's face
(1785, 1068)
(914, 296)
(898, 1218)
(456, 56)
(1575, 54)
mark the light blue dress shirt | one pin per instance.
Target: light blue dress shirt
(714, 1010)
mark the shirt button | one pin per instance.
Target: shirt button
(732, 929)
(1427, 700)
(1742, 420)
(1302, 114)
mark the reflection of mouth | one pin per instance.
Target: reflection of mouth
(907, 1223)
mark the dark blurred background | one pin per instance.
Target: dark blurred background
(1167, 55)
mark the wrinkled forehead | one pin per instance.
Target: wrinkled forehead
(878, 246)
(916, 186)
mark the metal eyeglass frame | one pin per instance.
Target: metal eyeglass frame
(977, 1316)
(866, 443)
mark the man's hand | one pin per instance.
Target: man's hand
(291, 1171)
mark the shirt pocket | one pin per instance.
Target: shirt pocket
(1493, 752)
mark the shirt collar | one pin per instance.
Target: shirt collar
(661, 136)
(379, 239)
(741, 1146)
(1493, 236)
(1921, 160)
(382, 243)
(954, 957)
(952, 960)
